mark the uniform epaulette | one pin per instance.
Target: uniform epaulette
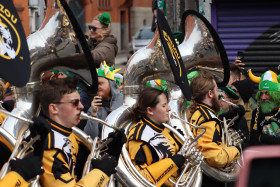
(136, 130)
(203, 113)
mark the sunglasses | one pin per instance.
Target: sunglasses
(94, 28)
(74, 102)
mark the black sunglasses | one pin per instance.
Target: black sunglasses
(74, 102)
(94, 28)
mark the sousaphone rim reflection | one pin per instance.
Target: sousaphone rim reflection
(216, 40)
(230, 173)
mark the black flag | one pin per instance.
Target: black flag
(14, 52)
(84, 45)
(173, 55)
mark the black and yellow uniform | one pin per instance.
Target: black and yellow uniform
(60, 158)
(150, 147)
(13, 179)
(210, 144)
(2, 117)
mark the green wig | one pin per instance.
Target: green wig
(275, 95)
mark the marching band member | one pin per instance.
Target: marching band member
(62, 106)
(202, 111)
(152, 148)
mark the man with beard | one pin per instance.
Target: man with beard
(108, 98)
(202, 111)
(266, 118)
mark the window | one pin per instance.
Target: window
(104, 4)
(78, 10)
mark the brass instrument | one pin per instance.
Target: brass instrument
(201, 50)
(128, 175)
(97, 146)
(200, 41)
(233, 137)
(221, 98)
(193, 156)
(17, 151)
(51, 47)
(85, 116)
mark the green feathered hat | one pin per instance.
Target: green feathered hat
(105, 18)
(159, 84)
(229, 92)
(192, 75)
(107, 71)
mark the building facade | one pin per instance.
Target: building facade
(23, 12)
(128, 16)
(243, 25)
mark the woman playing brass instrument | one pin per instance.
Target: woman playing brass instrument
(152, 148)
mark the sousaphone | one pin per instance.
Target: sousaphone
(53, 47)
(202, 49)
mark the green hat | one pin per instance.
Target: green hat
(105, 18)
(159, 84)
(229, 92)
(106, 71)
(269, 81)
(192, 75)
(56, 72)
(67, 73)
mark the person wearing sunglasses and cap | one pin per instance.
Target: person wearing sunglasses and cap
(103, 45)
(61, 105)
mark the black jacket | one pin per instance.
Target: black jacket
(262, 120)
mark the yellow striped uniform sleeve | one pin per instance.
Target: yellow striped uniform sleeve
(158, 172)
(13, 179)
(57, 173)
(214, 153)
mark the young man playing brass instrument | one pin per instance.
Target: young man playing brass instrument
(202, 111)
(62, 106)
